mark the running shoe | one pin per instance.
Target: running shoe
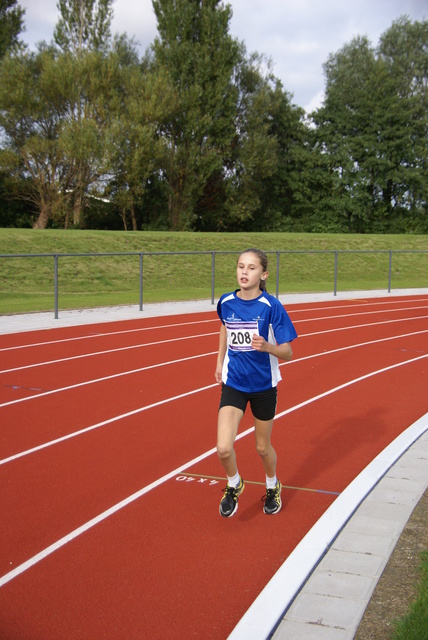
(272, 499)
(229, 501)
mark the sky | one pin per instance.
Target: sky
(297, 35)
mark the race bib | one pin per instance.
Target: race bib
(240, 335)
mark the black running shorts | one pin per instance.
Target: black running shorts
(262, 403)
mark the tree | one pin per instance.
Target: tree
(404, 50)
(49, 147)
(348, 124)
(254, 150)
(199, 56)
(143, 103)
(371, 125)
(83, 25)
(11, 25)
(272, 152)
(84, 28)
(31, 124)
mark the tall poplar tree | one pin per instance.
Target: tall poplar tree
(83, 31)
(195, 49)
(143, 103)
(83, 25)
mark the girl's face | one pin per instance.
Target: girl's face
(249, 271)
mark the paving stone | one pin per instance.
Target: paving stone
(353, 563)
(364, 543)
(292, 630)
(340, 585)
(327, 611)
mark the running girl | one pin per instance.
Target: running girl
(256, 331)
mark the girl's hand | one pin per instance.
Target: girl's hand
(280, 351)
(259, 343)
(217, 373)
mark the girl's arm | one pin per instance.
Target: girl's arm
(221, 352)
(280, 351)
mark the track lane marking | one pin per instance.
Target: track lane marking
(183, 324)
(202, 355)
(361, 326)
(350, 346)
(357, 303)
(105, 378)
(103, 423)
(150, 344)
(116, 350)
(104, 335)
(102, 516)
(124, 503)
(361, 313)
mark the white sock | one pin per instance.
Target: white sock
(271, 482)
(234, 481)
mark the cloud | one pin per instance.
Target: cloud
(40, 19)
(315, 103)
(136, 19)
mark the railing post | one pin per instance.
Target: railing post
(277, 274)
(212, 276)
(56, 284)
(141, 281)
(335, 272)
(390, 272)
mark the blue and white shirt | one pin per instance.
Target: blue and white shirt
(244, 368)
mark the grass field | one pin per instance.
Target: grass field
(414, 625)
(27, 283)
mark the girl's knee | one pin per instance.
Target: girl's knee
(265, 449)
(224, 451)
(262, 449)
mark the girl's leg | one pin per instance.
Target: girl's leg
(227, 429)
(263, 432)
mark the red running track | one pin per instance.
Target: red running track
(110, 481)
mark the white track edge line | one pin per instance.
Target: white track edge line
(43, 554)
(268, 608)
(122, 416)
(105, 378)
(74, 434)
(162, 364)
(102, 516)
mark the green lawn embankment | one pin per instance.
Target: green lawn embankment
(27, 284)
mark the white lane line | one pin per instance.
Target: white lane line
(361, 326)
(102, 516)
(139, 370)
(361, 313)
(120, 505)
(348, 384)
(351, 346)
(358, 303)
(149, 344)
(105, 378)
(122, 416)
(106, 334)
(101, 353)
(197, 322)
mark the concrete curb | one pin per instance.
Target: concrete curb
(322, 589)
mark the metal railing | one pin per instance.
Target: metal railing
(213, 254)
